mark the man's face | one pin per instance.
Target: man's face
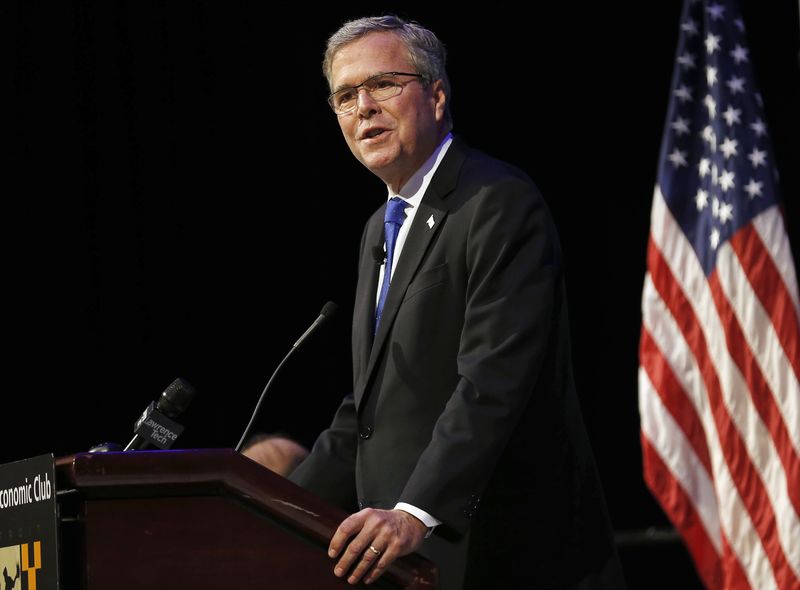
(392, 138)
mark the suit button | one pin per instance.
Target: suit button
(365, 432)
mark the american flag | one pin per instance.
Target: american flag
(719, 375)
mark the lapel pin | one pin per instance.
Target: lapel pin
(430, 222)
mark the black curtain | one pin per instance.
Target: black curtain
(180, 202)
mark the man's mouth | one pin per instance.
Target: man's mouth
(370, 133)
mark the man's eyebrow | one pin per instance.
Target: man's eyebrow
(345, 86)
(342, 87)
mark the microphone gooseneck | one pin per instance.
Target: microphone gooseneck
(328, 310)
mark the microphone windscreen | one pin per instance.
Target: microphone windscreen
(329, 309)
(176, 398)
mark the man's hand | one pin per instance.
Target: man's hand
(277, 453)
(376, 539)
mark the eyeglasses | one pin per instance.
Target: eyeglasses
(380, 87)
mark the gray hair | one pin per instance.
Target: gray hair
(425, 50)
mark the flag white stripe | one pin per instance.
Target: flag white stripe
(685, 267)
(733, 516)
(659, 322)
(762, 339)
(677, 454)
(665, 332)
(770, 227)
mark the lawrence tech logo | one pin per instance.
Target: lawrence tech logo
(20, 564)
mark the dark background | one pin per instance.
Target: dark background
(180, 202)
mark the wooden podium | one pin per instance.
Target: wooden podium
(196, 520)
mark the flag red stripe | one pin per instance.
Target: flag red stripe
(674, 398)
(681, 511)
(743, 473)
(760, 393)
(735, 576)
(768, 285)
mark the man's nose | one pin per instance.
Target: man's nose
(366, 104)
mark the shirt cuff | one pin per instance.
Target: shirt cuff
(428, 520)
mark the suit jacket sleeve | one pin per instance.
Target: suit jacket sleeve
(329, 470)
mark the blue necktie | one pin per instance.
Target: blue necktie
(392, 220)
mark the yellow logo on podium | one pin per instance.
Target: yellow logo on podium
(16, 560)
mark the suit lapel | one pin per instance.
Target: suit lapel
(427, 221)
(419, 236)
(364, 310)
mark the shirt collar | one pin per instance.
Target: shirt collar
(413, 190)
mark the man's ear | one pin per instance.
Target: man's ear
(440, 99)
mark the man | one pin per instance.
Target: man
(464, 422)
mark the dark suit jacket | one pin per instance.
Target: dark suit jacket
(464, 405)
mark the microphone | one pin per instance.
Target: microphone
(378, 255)
(328, 310)
(154, 426)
